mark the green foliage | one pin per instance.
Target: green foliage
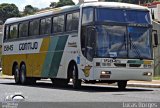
(8, 11)
(156, 78)
(29, 10)
(64, 3)
(53, 4)
(113, 0)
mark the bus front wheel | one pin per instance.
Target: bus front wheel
(76, 82)
(16, 74)
(122, 85)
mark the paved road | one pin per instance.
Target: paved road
(45, 92)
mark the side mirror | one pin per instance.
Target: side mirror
(155, 36)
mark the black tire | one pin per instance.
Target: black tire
(23, 78)
(16, 74)
(76, 82)
(122, 85)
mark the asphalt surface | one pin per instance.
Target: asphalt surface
(147, 84)
(44, 91)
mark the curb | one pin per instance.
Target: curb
(5, 76)
(143, 85)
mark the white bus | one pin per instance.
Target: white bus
(104, 42)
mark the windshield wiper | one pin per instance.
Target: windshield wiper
(123, 44)
(132, 45)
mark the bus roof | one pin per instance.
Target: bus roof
(115, 5)
(75, 7)
(42, 14)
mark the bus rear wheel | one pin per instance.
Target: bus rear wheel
(16, 74)
(23, 78)
(122, 85)
(76, 82)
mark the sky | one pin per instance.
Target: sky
(35, 3)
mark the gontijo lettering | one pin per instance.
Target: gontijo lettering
(28, 46)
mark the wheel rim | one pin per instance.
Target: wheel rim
(22, 76)
(16, 76)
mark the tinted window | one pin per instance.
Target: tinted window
(134, 16)
(23, 29)
(34, 28)
(58, 24)
(129, 16)
(6, 32)
(72, 21)
(69, 22)
(75, 21)
(104, 14)
(87, 15)
(55, 24)
(13, 31)
(45, 26)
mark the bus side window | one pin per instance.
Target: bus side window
(55, 24)
(48, 25)
(13, 31)
(34, 27)
(6, 35)
(58, 24)
(42, 26)
(88, 15)
(45, 26)
(69, 22)
(72, 21)
(75, 21)
(23, 29)
(61, 23)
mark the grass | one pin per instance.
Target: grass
(156, 78)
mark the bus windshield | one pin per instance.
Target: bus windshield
(120, 33)
(123, 41)
(123, 16)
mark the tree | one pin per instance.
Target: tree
(113, 0)
(64, 3)
(8, 11)
(53, 4)
(29, 10)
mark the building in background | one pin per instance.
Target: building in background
(155, 10)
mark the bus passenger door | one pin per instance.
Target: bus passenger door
(87, 44)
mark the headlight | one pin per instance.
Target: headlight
(147, 73)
